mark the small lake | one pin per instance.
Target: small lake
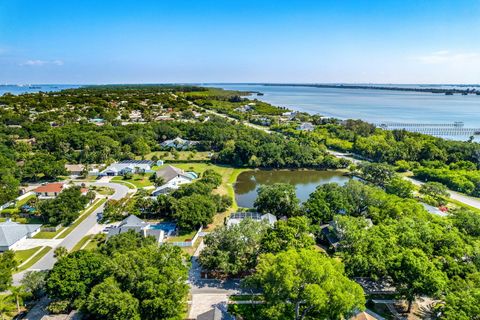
(305, 182)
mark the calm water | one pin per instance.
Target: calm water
(305, 181)
(372, 105)
(17, 89)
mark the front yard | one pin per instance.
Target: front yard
(138, 180)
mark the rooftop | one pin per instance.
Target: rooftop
(11, 232)
(50, 187)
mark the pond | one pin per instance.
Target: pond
(305, 182)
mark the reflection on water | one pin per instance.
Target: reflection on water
(305, 182)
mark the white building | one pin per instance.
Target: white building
(173, 177)
(12, 232)
(237, 217)
(133, 166)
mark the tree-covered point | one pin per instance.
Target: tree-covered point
(453, 163)
(129, 277)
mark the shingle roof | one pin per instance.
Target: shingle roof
(11, 232)
(213, 314)
(169, 172)
(132, 221)
(74, 167)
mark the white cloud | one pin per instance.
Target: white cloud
(42, 62)
(447, 57)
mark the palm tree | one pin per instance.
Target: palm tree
(18, 293)
(5, 307)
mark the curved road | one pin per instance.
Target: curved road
(47, 261)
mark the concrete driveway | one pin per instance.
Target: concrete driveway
(47, 261)
(26, 244)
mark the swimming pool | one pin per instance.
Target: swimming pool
(167, 227)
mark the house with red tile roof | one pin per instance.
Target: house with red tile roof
(49, 190)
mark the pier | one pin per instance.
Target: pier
(434, 129)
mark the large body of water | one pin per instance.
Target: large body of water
(371, 105)
(19, 89)
(305, 182)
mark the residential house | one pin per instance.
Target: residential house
(138, 225)
(237, 217)
(212, 314)
(74, 169)
(132, 166)
(178, 143)
(306, 126)
(173, 177)
(49, 190)
(245, 108)
(12, 232)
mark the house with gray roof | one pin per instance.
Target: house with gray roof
(126, 166)
(237, 217)
(138, 225)
(12, 232)
(173, 177)
(178, 143)
(212, 314)
(306, 126)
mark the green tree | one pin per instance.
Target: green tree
(34, 283)
(400, 187)
(7, 265)
(194, 211)
(8, 187)
(325, 202)
(18, 293)
(293, 233)
(436, 190)
(414, 274)
(60, 252)
(73, 276)
(279, 199)
(233, 250)
(462, 301)
(6, 307)
(107, 300)
(305, 284)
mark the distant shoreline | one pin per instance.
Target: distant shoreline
(445, 91)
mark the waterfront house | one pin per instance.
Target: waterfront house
(173, 177)
(138, 225)
(237, 217)
(12, 232)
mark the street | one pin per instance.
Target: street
(47, 261)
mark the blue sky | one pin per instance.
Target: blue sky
(239, 41)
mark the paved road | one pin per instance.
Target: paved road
(474, 202)
(47, 261)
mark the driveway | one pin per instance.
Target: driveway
(47, 261)
(31, 243)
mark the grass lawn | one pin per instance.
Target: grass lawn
(104, 191)
(82, 242)
(139, 181)
(127, 184)
(30, 263)
(229, 176)
(182, 237)
(48, 234)
(181, 155)
(22, 255)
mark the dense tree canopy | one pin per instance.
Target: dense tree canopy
(305, 284)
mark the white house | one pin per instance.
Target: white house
(306, 126)
(12, 232)
(133, 166)
(237, 217)
(173, 177)
(138, 225)
(178, 143)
